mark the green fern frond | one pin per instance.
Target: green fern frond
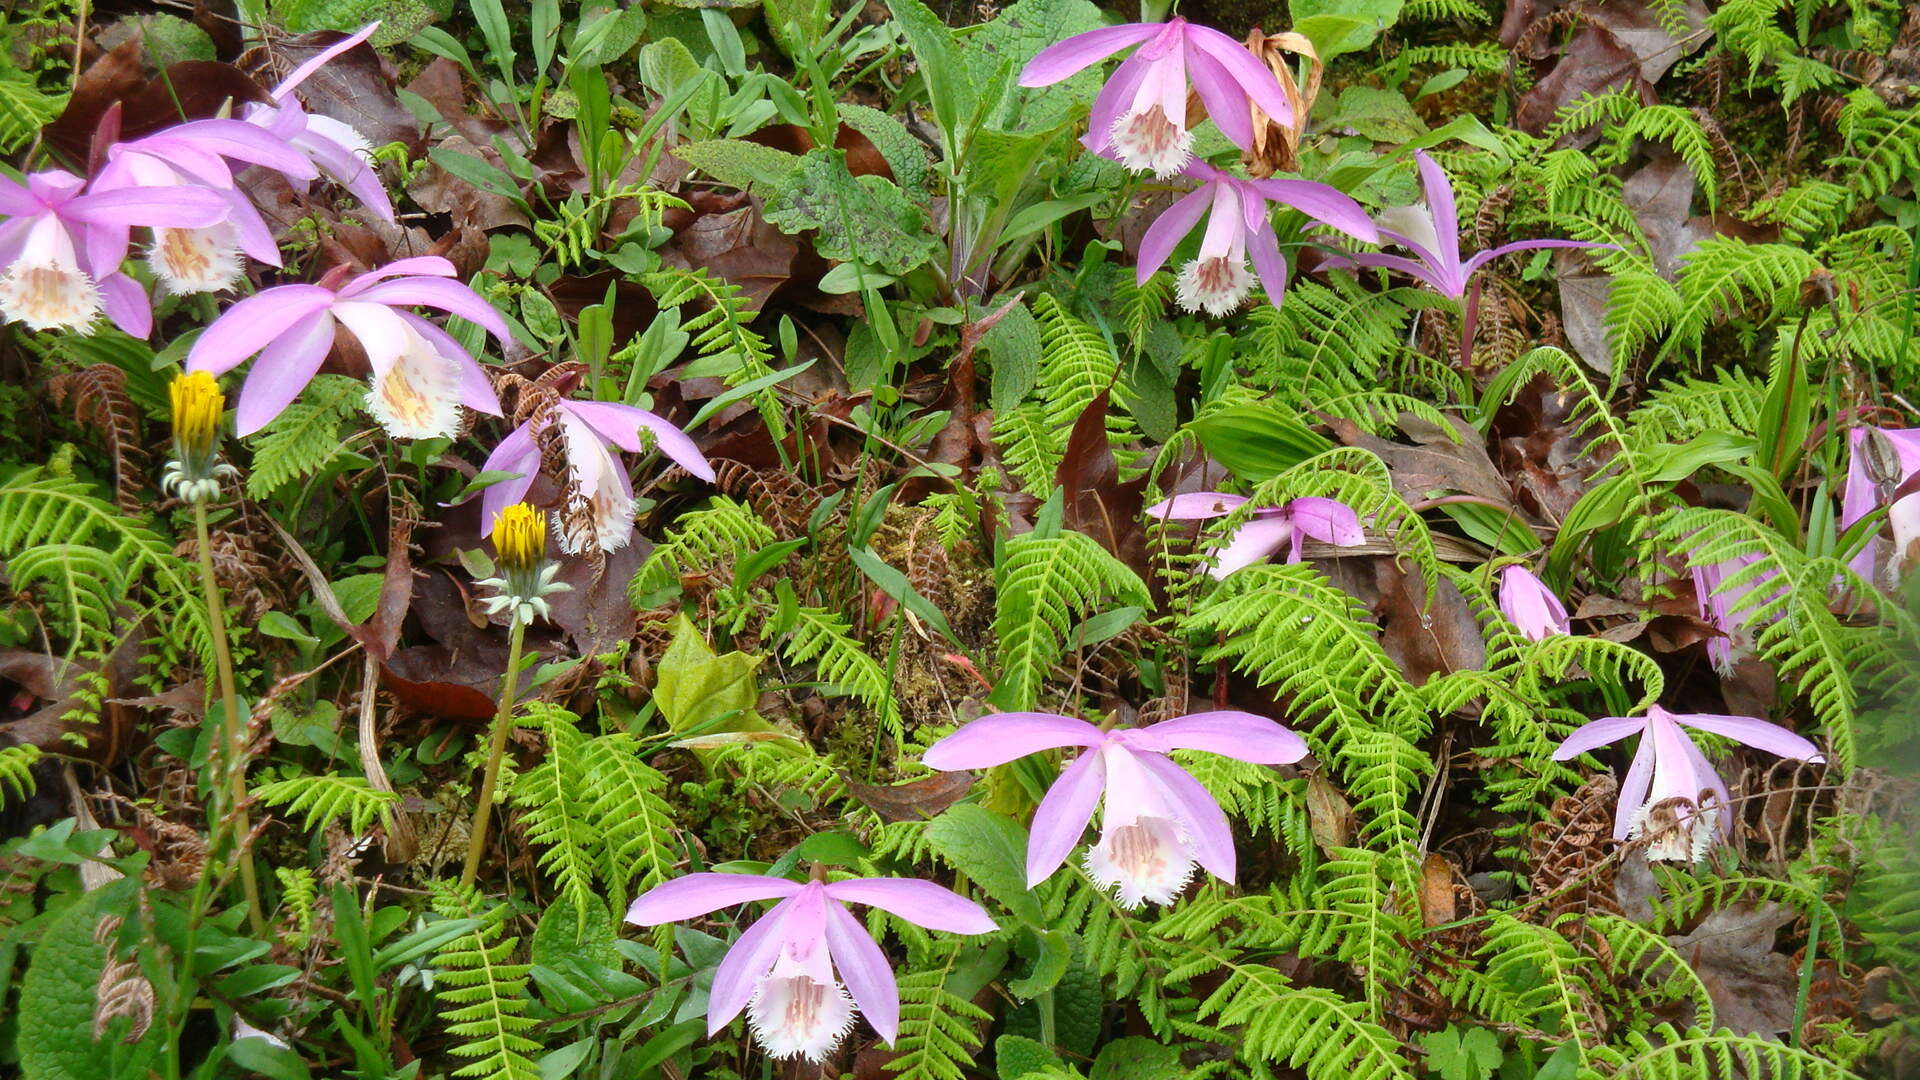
(1306, 1028)
(1682, 409)
(939, 1031)
(703, 541)
(555, 794)
(1046, 584)
(1666, 1054)
(1636, 954)
(721, 330)
(482, 993)
(305, 438)
(328, 798)
(627, 809)
(824, 639)
(16, 771)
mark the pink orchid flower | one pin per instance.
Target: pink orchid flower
(340, 151)
(421, 376)
(1432, 233)
(61, 248)
(1668, 767)
(1327, 520)
(1863, 492)
(1720, 607)
(195, 154)
(1158, 822)
(599, 495)
(786, 970)
(1238, 225)
(1140, 116)
(1529, 605)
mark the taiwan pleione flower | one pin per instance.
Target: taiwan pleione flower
(1432, 233)
(803, 970)
(1269, 529)
(1672, 797)
(1530, 606)
(196, 154)
(526, 576)
(599, 510)
(1158, 822)
(1719, 590)
(335, 147)
(195, 473)
(1882, 460)
(1140, 116)
(421, 376)
(61, 246)
(1239, 227)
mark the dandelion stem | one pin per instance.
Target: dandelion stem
(235, 752)
(497, 749)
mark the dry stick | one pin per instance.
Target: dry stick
(235, 754)
(502, 727)
(402, 842)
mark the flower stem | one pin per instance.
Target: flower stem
(235, 752)
(502, 727)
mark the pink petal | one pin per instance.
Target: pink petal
(1485, 257)
(240, 141)
(1597, 733)
(920, 902)
(1528, 604)
(1446, 217)
(1633, 789)
(617, 424)
(517, 453)
(1062, 815)
(299, 75)
(176, 207)
(1758, 734)
(412, 266)
(1242, 736)
(1264, 246)
(869, 978)
(696, 894)
(1197, 505)
(1249, 544)
(1167, 230)
(1113, 100)
(126, 304)
(752, 955)
(286, 366)
(433, 292)
(1227, 104)
(1416, 270)
(1255, 80)
(1201, 818)
(1323, 203)
(347, 168)
(1709, 780)
(476, 390)
(16, 200)
(1002, 737)
(1068, 58)
(247, 327)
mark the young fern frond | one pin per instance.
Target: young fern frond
(483, 994)
(1311, 1029)
(328, 798)
(305, 437)
(1046, 584)
(824, 639)
(703, 541)
(16, 772)
(630, 815)
(939, 1031)
(555, 793)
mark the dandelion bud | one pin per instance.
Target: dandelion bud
(526, 576)
(198, 404)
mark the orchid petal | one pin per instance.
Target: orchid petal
(1756, 733)
(1167, 230)
(285, 367)
(439, 293)
(1323, 203)
(1417, 270)
(1596, 733)
(1113, 100)
(476, 390)
(299, 74)
(16, 200)
(1329, 521)
(919, 902)
(1707, 778)
(517, 453)
(1255, 79)
(697, 894)
(1633, 789)
(1446, 216)
(349, 169)
(1196, 506)
(864, 968)
(1264, 246)
(411, 266)
(1483, 258)
(1062, 815)
(1068, 58)
(1002, 737)
(247, 327)
(751, 956)
(1228, 105)
(1250, 543)
(380, 330)
(1528, 604)
(1242, 736)
(1201, 819)
(125, 302)
(240, 141)
(180, 206)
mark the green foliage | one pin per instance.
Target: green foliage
(482, 993)
(16, 772)
(328, 798)
(1046, 584)
(304, 439)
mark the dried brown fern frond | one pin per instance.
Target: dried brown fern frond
(97, 397)
(1573, 867)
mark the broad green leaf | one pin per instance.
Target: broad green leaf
(761, 170)
(865, 219)
(992, 851)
